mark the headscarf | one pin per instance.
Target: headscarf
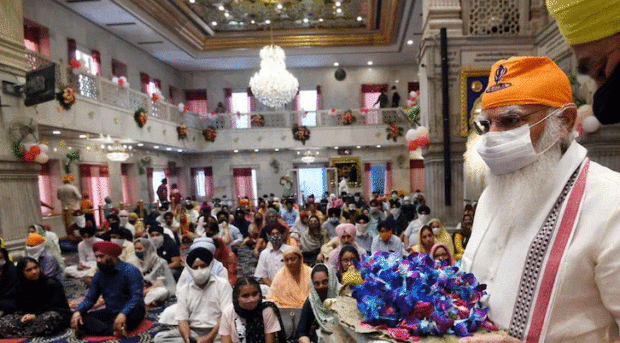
(583, 21)
(50, 245)
(153, 267)
(441, 245)
(322, 315)
(420, 247)
(310, 242)
(443, 237)
(285, 290)
(8, 284)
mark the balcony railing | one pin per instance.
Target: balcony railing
(128, 100)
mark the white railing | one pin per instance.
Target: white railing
(128, 100)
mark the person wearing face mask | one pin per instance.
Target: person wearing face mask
(346, 236)
(440, 252)
(50, 244)
(312, 240)
(333, 220)
(35, 249)
(376, 215)
(271, 260)
(123, 219)
(363, 237)
(166, 249)
(591, 28)
(291, 285)
(171, 227)
(123, 238)
(410, 236)
(138, 225)
(87, 263)
(546, 223)
(400, 220)
(250, 319)
(200, 303)
(386, 241)
(228, 232)
(461, 237)
(350, 211)
(441, 235)
(120, 285)
(158, 279)
(73, 231)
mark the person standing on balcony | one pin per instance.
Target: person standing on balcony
(383, 99)
(395, 97)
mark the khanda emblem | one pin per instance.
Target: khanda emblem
(499, 74)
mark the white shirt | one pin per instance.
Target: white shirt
(86, 254)
(235, 235)
(412, 231)
(168, 231)
(585, 303)
(203, 307)
(270, 262)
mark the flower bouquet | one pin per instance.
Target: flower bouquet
(348, 117)
(301, 133)
(394, 131)
(258, 120)
(210, 134)
(141, 117)
(66, 97)
(182, 131)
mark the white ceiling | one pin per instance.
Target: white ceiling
(168, 48)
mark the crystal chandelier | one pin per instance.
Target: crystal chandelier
(308, 157)
(117, 153)
(273, 85)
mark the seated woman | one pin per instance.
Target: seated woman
(346, 235)
(441, 235)
(291, 285)
(254, 230)
(250, 319)
(222, 252)
(312, 240)
(8, 283)
(87, 263)
(35, 249)
(315, 319)
(347, 273)
(461, 237)
(426, 239)
(42, 308)
(440, 252)
(51, 243)
(158, 279)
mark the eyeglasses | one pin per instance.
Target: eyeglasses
(504, 122)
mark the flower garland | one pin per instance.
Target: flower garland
(182, 131)
(258, 120)
(141, 116)
(393, 132)
(416, 296)
(144, 162)
(73, 156)
(66, 97)
(301, 133)
(68, 178)
(210, 134)
(348, 117)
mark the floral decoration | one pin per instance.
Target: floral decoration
(144, 162)
(258, 120)
(301, 133)
(121, 81)
(417, 296)
(394, 131)
(68, 178)
(66, 97)
(73, 156)
(141, 116)
(156, 97)
(182, 131)
(348, 117)
(210, 134)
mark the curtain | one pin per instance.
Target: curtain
(367, 177)
(145, 79)
(412, 86)
(126, 184)
(243, 182)
(96, 182)
(319, 98)
(97, 59)
(388, 177)
(196, 100)
(32, 37)
(119, 68)
(149, 182)
(416, 175)
(228, 97)
(173, 95)
(45, 188)
(209, 183)
(157, 83)
(72, 48)
(251, 102)
(195, 182)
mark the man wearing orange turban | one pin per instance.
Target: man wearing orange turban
(546, 237)
(592, 28)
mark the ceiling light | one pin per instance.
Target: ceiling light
(180, 150)
(378, 146)
(267, 21)
(56, 132)
(140, 144)
(359, 146)
(255, 150)
(360, 18)
(130, 147)
(226, 14)
(308, 157)
(213, 23)
(410, 42)
(305, 20)
(369, 63)
(192, 1)
(253, 21)
(277, 149)
(82, 136)
(279, 6)
(337, 4)
(221, 8)
(117, 153)
(338, 10)
(156, 146)
(336, 64)
(273, 85)
(102, 146)
(321, 20)
(336, 148)
(168, 149)
(236, 151)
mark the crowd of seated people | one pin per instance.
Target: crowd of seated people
(304, 253)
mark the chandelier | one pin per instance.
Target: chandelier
(117, 153)
(308, 157)
(273, 85)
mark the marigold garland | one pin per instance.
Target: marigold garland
(66, 97)
(182, 131)
(348, 117)
(210, 134)
(141, 116)
(301, 133)
(393, 132)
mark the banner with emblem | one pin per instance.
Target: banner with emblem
(473, 84)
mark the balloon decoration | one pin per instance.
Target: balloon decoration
(412, 108)
(418, 138)
(121, 81)
(586, 121)
(31, 152)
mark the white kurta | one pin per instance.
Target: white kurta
(586, 304)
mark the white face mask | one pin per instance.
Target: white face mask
(352, 207)
(423, 218)
(362, 229)
(436, 231)
(200, 276)
(118, 241)
(395, 212)
(35, 252)
(123, 221)
(80, 221)
(157, 241)
(333, 220)
(2, 263)
(508, 151)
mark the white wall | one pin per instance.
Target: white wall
(64, 23)
(338, 94)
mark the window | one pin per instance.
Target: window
(240, 104)
(90, 64)
(152, 88)
(307, 103)
(203, 182)
(378, 177)
(36, 37)
(245, 183)
(45, 189)
(159, 175)
(196, 101)
(119, 68)
(96, 182)
(311, 181)
(199, 183)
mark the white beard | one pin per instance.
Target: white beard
(519, 193)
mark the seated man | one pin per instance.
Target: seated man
(272, 258)
(386, 241)
(123, 218)
(229, 233)
(171, 227)
(120, 284)
(166, 249)
(199, 303)
(87, 263)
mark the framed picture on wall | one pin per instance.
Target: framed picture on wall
(473, 84)
(350, 168)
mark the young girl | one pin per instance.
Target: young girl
(249, 319)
